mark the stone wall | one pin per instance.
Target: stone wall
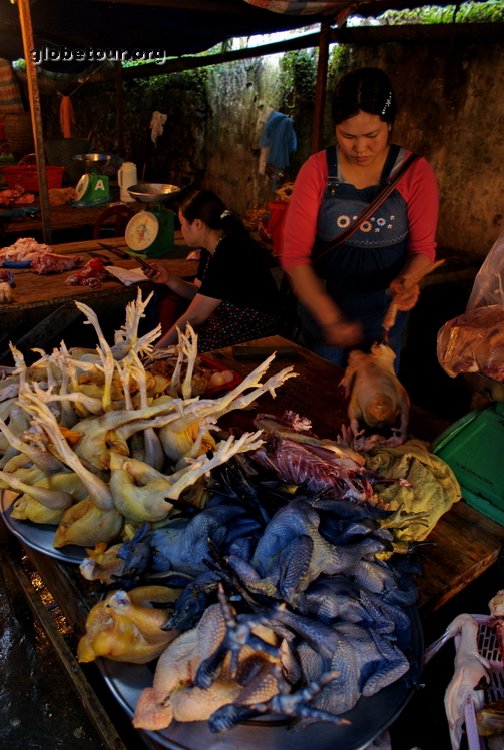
(452, 112)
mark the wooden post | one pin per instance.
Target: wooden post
(36, 116)
(320, 91)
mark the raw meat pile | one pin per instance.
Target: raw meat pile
(54, 263)
(91, 274)
(16, 197)
(39, 255)
(474, 342)
(25, 248)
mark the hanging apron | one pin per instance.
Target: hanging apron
(358, 273)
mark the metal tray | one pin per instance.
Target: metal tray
(39, 537)
(368, 718)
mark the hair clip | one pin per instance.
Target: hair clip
(387, 103)
(225, 213)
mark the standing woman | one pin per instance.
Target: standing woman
(345, 294)
(234, 296)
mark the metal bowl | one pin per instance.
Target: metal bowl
(91, 161)
(153, 192)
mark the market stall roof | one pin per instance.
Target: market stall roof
(176, 27)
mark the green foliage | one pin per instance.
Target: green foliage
(156, 85)
(491, 11)
(298, 75)
(340, 60)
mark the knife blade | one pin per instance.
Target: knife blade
(126, 256)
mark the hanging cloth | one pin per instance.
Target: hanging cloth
(157, 124)
(279, 137)
(67, 117)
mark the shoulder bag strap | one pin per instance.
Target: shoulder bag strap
(369, 210)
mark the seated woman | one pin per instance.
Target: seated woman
(234, 296)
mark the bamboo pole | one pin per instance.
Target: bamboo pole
(36, 116)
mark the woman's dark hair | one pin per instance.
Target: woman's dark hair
(208, 207)
(364, 90)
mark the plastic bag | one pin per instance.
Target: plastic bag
(488, 287)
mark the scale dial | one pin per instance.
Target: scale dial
(142, 230)
(81, 186)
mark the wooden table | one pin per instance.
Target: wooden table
(43, 304)
(64, 217)
(465, 542)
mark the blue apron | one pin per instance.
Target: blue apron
(358, 273)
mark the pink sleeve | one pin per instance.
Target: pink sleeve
(419, 189)
(301, 221)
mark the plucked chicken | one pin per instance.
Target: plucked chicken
(126, 626)
(101, 420)
(375, 394)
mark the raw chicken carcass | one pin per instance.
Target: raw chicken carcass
(127, 626)
(470, 674)
(376, 395)
(469, 677)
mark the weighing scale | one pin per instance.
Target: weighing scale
(151, 232)
(92, 188)
(474, 449)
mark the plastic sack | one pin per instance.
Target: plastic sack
(488, 287)
(474, 342)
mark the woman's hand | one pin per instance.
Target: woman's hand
(406, 292)
(157, 273)
(343, 333)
